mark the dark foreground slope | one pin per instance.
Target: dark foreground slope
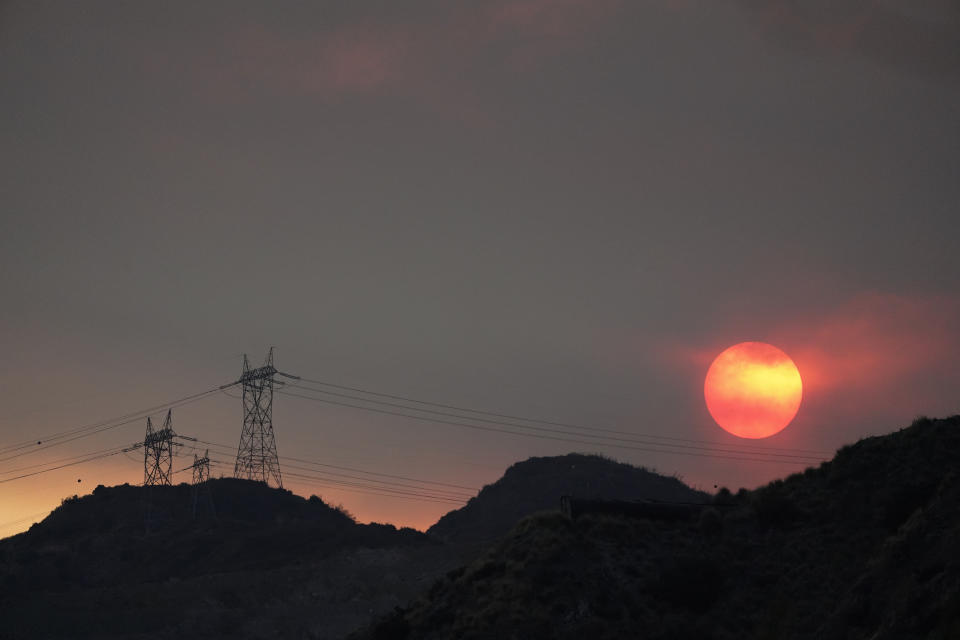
(270, 564)
(865, 546)
(134, 562)
(536, 485)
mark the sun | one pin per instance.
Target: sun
(753, 390)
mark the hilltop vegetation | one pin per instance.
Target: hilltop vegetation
(268, 564)
(133, 562)
(862, 547)
(537, 484)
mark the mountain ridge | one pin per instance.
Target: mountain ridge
(537, 484)
(860, 547)
(263, 558)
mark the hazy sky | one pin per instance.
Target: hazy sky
(561, 209)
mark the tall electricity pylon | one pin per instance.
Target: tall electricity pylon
(158, 453)
(201, 468)
(201, 473)
(257, 453)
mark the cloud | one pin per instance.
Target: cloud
(874, 342)
(429, 56)
(916, 35)
(256, 60)
(546, 18)
(875, 354)
(360, 60)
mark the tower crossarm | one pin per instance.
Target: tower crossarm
(158, 436)
(260, 373)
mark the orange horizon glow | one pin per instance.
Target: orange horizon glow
(753, 390)
(22, 508)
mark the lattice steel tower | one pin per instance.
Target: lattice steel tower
(257, 454)
(201, 468)
(201, 474)
(158, 453)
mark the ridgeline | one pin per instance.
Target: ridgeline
(864, 546)
(861, 547)
(261, 562)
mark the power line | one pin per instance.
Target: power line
(374, 491)
(534, 420)
(383, 489)
(434, 491)
(542, 436)
(379, 484)
(398, 486)
(740, 452)
(312, 484)
(49, 462)
(385, 475)
(42, 448)
(354, 469)
(438, 492)
(140, 413)
(4, 525)
(558, 431)
(71, 464)
(57, 439)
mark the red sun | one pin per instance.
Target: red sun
(753, 390)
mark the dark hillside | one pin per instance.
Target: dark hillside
(150, 533)
(268, 560)
(267, 563)
(865, 546)
(536, 485)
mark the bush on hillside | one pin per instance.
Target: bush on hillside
(677, 585)
(710, 522)
(393, 626)
(899, 503)
(775, 506)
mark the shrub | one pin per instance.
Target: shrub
(775, 506)
(724, 497)
(711, 522)
(393, 626)
(900, 502)
(693, 583)
(343, 510)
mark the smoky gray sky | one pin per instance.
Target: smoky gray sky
(554, 208)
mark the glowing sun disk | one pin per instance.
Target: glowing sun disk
(753, 390)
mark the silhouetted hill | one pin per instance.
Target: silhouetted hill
(537, 484)
(150, 532)
(864, 546)
(264, 561)
(133, 562)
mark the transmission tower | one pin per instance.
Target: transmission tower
(257, 453)
(201, 474)
(158, 453)
(201, 468)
